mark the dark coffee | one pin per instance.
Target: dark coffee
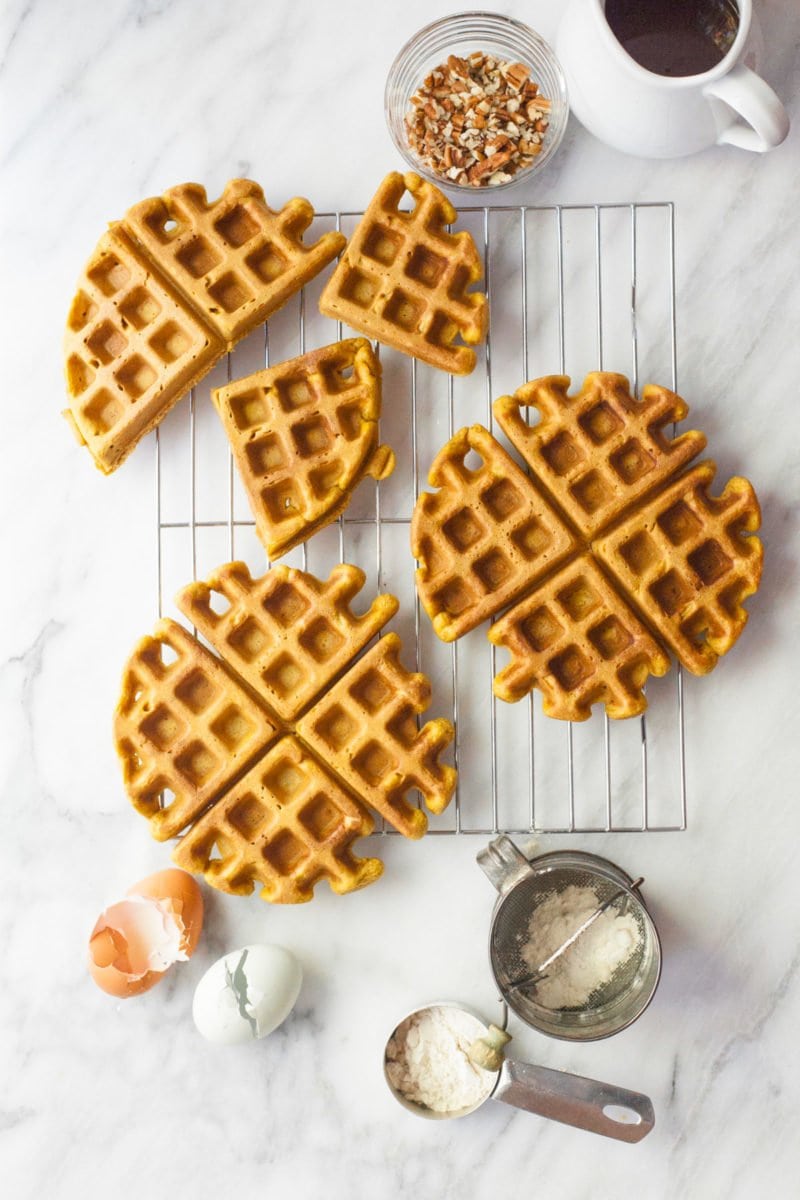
(674, 37)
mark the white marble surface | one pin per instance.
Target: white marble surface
(105, 102)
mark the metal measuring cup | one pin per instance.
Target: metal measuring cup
(522, 885)
(574, 1100)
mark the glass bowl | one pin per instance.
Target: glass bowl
(462, 34)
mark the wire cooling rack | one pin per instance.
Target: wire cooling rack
(572, 288)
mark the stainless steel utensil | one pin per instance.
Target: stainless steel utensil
(588, 1104)
(522, 886)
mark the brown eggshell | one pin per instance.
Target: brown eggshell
(183, 891)
(128, 931)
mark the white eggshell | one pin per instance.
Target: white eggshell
(246, 994)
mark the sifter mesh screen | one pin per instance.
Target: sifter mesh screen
(611, 1005)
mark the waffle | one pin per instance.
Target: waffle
(403, 278)
(366, 725)
(310, 736)
(166, 292)
(577, 642)
(648, 562)
(286, 635)
(303, 434)
(687, 560)
(599, 451)
(184, 726)
(483, 537)
(287, 824)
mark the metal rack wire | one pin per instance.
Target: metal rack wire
(572, 288)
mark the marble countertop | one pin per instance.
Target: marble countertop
(104, 103)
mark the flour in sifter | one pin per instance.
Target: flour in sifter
(590, 962)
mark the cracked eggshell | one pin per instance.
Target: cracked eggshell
(247, 994)
(135, 941)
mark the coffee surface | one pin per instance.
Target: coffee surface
(674, 37)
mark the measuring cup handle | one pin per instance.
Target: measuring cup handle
(764, 121)
(585, 1103)
(503, 863)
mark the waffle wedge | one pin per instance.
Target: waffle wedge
(285, 825)
(647, 562)
(365, 726)
(483, 537)
(286, 635)
(689, 561)
(598, 451)
(169, 288)
(577, 641)
(276, 740)
(403, 278)
(183, 726)
(303, 435)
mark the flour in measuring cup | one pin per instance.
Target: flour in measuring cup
(591, 960)
(428, 1063)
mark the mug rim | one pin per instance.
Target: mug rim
(675, 82)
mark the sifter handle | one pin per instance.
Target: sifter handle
(503, 863)
(585, 1103)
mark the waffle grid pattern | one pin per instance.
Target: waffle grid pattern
(166, 292)
(285, 627)
(404, 280)
(674, 562)
(303, 434)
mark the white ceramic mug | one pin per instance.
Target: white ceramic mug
(658, 116)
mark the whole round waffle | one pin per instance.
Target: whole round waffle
(267, 751)
(611, 552)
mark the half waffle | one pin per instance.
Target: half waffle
(652, 561)
(169, 288)
(403, 278)
(303, 434)
(312, 736)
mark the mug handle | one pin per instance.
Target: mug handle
(764, 123)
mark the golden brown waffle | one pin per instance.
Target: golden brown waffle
(132, 349)
(283, 805)
(285, 825)
(366, 727)
(303, 434)
(600, 449)
(182, 726)
(689, 562)
(403, 278)
(577, 642)
(651, 561)
(287, 635)
(167, 291)
(483, 537)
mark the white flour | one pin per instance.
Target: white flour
(428, 1060)
(590, 961)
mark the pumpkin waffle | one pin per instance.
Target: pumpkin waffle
(482, 537)
(286, 635)
(182, 726)
(169, 288)
(598, 451)
(303, 434)
(651, 562)
(577, 641)
(310, 736)
(688, 560)
(285, 825)
(403, 278)
(366, 726)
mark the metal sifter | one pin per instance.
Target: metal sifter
(523, 885)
